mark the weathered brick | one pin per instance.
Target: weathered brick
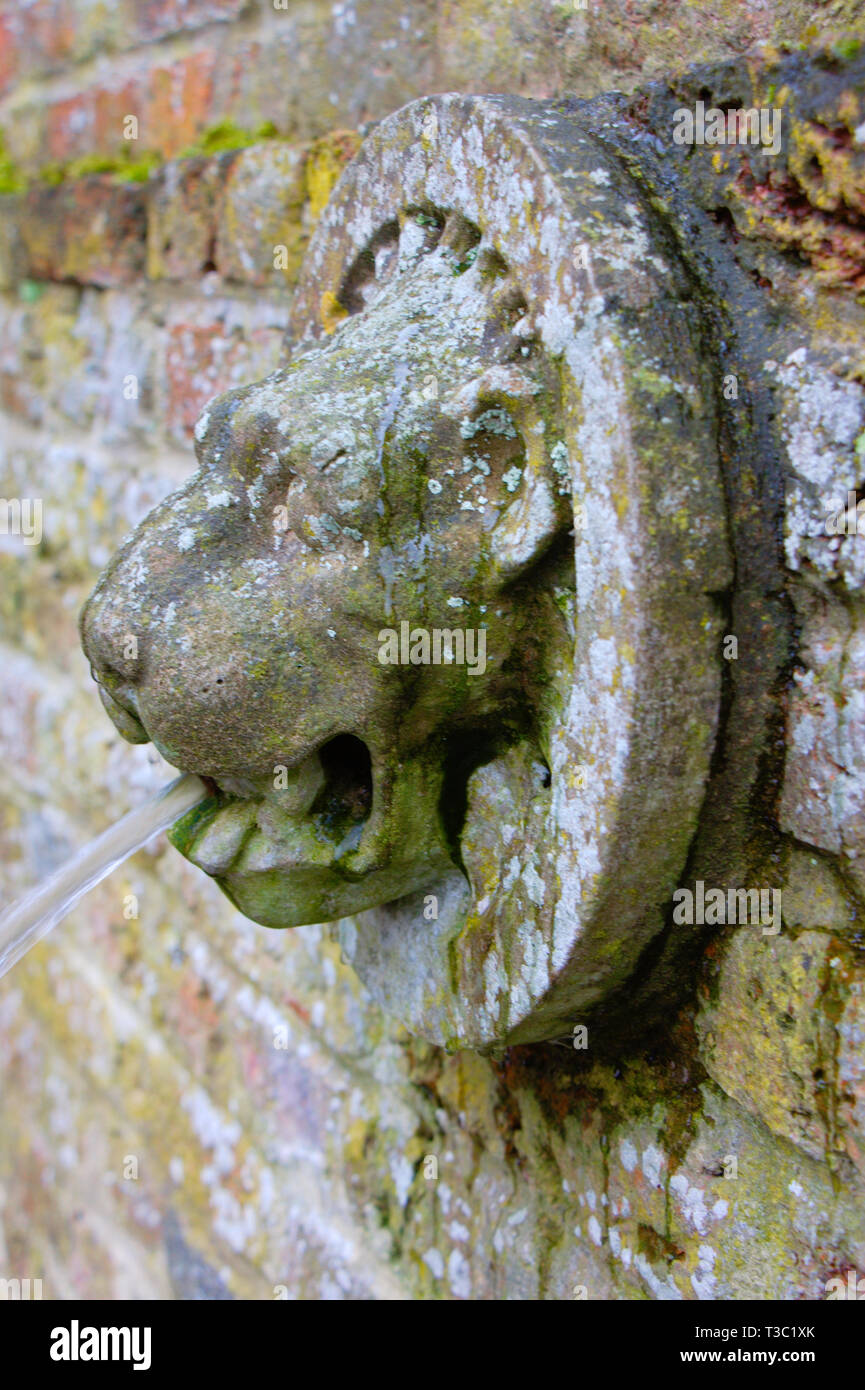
(182, 216)
(210, 350)
(783, 1011)
(26, 378)
(304, 75)
(823, 797)
(9, 57)
(812, 765)
(154, 19)
(298, 70)
(849, 1078)
(171, 101)
(261, 216)
(13, 262)
(493, 47)
(325, 161)
(91, 230)
(272, 199)
(815, 895)
(80, 358)
(176, 101)
(45, 36)
(87, 510)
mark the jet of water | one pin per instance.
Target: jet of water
(27, 921)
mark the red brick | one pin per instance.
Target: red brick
(9, 57)
(154, 19)
(173, 103)
(46, 36)
(42, 37)
(178, 102)
(204, 358)
(91, 121)
(110, 105)
(297, 72)
(69, 126)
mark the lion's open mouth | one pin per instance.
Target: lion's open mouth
(337, 834)
(315, 813)
(347, 792)
(322, 852)
(321, 804)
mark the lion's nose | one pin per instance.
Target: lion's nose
(112, 648)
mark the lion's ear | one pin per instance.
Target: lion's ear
(538, 511)
(531, 522)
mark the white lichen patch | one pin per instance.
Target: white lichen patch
(629, 1156)
(652, 1164)
(820, 418)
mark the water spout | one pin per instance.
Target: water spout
(27, 921)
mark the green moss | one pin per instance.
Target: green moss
(184, 831)
(11, 178)
(124, 167)
(846, 48)
(228, 135)
(129, 167)
(458, 265)
(52, 174)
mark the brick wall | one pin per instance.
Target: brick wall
(193, 1106)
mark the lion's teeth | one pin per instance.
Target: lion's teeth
(222, 840)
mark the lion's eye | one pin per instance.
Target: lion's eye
(322, 467)
(275, 468)
(494, 447)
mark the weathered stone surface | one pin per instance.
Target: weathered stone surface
(822, 417)
(293, 1163)
(92, 231)
(261, 236)
(815, 895)
(823, 798)
(768, 1038)
(182, 217)
(848, 1081)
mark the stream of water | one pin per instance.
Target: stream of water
(27, 921)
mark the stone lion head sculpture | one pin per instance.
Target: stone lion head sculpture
(435, 616)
